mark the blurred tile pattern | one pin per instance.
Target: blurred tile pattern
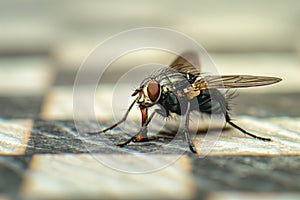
(44, 156)
(221, 26)
(25, 76)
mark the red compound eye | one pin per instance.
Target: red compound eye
(153, 90)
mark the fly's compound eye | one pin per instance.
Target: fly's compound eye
(153, 90)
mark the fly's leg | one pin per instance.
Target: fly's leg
(136, 138)
(187, 132)
(228, 120)
(141, 136)
(116, 124)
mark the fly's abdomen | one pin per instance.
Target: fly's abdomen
(211, 101)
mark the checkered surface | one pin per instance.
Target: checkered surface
(43, 156)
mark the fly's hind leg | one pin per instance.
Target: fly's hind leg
(187, 132)
(228, 120)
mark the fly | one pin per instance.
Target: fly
(176, 89)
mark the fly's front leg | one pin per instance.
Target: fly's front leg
(116, 124)
(141, 136)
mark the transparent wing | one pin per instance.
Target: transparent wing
(233, 81)
(188, 62)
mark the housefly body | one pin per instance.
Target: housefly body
(181, 89)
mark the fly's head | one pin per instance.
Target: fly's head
(148, 93)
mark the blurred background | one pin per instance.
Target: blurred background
(43, 44)
(256, 37)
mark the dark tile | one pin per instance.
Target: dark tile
(20, 107)
(106, 142)
(65, 77)
(53, 137)
(62, 137)
(247, 173)
(12, 169)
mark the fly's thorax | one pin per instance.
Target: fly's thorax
(165, 87)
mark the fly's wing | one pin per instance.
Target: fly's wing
(187, 63)
(233, 81)
(227, 81)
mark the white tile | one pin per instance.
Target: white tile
(59, 101)
(25, 76)
(252, 195)
(81, 176)
(285, 138)
(14, 136)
